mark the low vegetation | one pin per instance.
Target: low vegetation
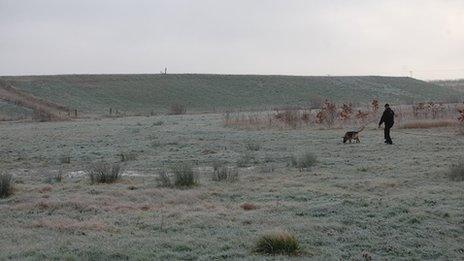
(56, 177)
(65, 159)
(127, 156)
(221, 172)
(303, 161)
(6, 185)
(277, 243)
(456, 172)
(246, 160)
(252, 145)
(104, 172)
(460, 129)
(184, 176)
(177, 109)
(427, 124)
(164, 180)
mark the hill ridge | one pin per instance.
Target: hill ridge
(146, 93)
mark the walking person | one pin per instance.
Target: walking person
(388, 117)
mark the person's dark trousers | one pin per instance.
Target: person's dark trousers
(388, 139)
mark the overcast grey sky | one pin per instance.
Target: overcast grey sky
(297, 37)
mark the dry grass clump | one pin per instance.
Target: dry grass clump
(55, 178)
(277, 243)
(224, 173)
(456, 172)
(124, 156)
(303, 161)
(460, 129)
(6, 185)
(104, 173)
(177, 109)
(164, 180)
(65, 159)
(252, 145)
(184, 175)
(426, 124)
(245, 160)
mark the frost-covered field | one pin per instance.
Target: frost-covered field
(359, 201)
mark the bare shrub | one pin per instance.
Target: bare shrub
(456, 172)
(289, 117)
(6, 185)
(184, 175)
(177, 109)
(277, 242)
(224, 173)
(104, 173)
(303, 161)
(252, 145)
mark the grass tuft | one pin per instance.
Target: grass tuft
(460, 129)
(65, 159)
(177, 109)
(245, 160)
(456, 172)
(224, 173)
(252, 145)
(164, 180)
(184, 175)
(124, 156)
(104, 173)
(55, 178)
(277, 243)
(303, 161)
(6, 185)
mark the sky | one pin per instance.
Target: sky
(419, 38)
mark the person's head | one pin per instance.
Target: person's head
(387, 106)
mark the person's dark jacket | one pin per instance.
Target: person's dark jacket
(388, 117)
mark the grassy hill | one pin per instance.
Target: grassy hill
(457, 85)
(10, 111)
(145, 93)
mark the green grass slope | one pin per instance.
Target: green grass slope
(457, 85)
(145, 93)
(10, 111)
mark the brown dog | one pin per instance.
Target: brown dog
(352, 135)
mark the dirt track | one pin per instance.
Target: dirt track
(41, 107)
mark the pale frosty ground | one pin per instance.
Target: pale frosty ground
(383, 201)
